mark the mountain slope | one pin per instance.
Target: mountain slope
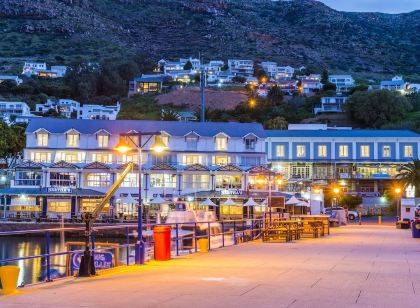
(300, 32)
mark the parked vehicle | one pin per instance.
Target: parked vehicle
(352, 215)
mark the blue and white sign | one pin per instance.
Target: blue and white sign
(102, 260)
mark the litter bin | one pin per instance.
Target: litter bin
(162, 237)
(415, 228)
(203, 244)
(9, 275)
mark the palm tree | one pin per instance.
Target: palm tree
(409, 175)
(168, 115)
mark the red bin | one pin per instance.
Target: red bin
(162, 237)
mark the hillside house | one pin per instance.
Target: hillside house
(146, 84)
(16, 79)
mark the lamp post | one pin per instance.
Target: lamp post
(123, 147)
(397, 191)
(262, 180)
(336, 191)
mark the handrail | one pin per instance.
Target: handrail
(236, 229)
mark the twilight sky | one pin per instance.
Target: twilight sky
(385, 6)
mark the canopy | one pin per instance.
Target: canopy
(302, 203)
(292, 200)
(207, 202)
(264, 203)
(251, 202)
(129, 200)
(229, 202)
(157, 200)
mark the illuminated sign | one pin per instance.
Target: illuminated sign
(61, 190)
(231, 192)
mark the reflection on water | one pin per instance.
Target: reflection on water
(35, 270)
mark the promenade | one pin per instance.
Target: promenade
(357, 266)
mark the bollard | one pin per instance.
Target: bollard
(203, 243)
(379, 220)
(9, 275)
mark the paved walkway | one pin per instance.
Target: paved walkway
(360, 266)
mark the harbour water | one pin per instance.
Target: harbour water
(35, 270)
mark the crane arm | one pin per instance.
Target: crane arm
(111, 191)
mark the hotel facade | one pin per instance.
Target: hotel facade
(69, 164)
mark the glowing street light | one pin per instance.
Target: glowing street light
(252, 103)
(123, 147)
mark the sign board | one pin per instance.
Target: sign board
(231, 192)
(277, 202)
(61, 190)
(102, 260)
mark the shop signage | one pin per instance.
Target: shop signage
(231, 192)
(102, 260)
(61, 190)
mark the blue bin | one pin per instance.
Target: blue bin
(415, 228)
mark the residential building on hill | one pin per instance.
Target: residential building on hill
(65, 107)
(243, 68)
(98, 112)
(331, 104)
(397, 83)
(344, 83)
(146, 84)
(16, 79)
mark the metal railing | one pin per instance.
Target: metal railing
(184, 240)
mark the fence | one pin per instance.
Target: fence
(184, 238)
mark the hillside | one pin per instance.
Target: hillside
(300, 32)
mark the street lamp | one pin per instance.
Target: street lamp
(123, 147)
(398, 191)
(336, 191)
(252, 103)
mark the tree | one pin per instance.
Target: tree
(239, 79)
(276, 123)
(326, 84)
(259, 72)
(188, 66)
(324, 77)
(275, 95)
(169, 115)
(359, 88)
(12, 142)
(350, 202)
(376, 108)
(409, 175)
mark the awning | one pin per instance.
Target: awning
(157, 200)
(303, 204)
(51, 191)
(229, 202)
(251, 202)
(207, 202)
(293, 200)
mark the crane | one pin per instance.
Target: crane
(87, 264)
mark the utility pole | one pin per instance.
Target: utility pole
(202, 87)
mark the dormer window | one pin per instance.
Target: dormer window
(221, 143)
(42, 139)
(250, 142)
(103, 141)
(191, 140)
(73, 140)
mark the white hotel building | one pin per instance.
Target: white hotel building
(70, 164)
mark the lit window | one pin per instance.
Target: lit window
(41, 157)
(63, 179)
(103, 141)
(364, 151)
(131, 180)
(221, 160)
(163, 180)
(228, 181)
(165, 140)
(72, 140)
(343, 151)
(191, 159)
(280, 151)
(300, 151)
(201, 181)
(386, 151)
(42, 139)
(322, 151)
(408, 151)
(59, 206)
(221, 143)
(102, 158)
(98, 179)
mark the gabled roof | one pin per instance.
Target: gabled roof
(63, 164)
(162, 166)
(122, 167)
(260, 170)
(96, 165)
(103, 131)
(174, 128)
(196, 167)
(229, 167)
(29, 165)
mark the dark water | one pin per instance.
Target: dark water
(35, 270)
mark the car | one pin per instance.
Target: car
(352, 215)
